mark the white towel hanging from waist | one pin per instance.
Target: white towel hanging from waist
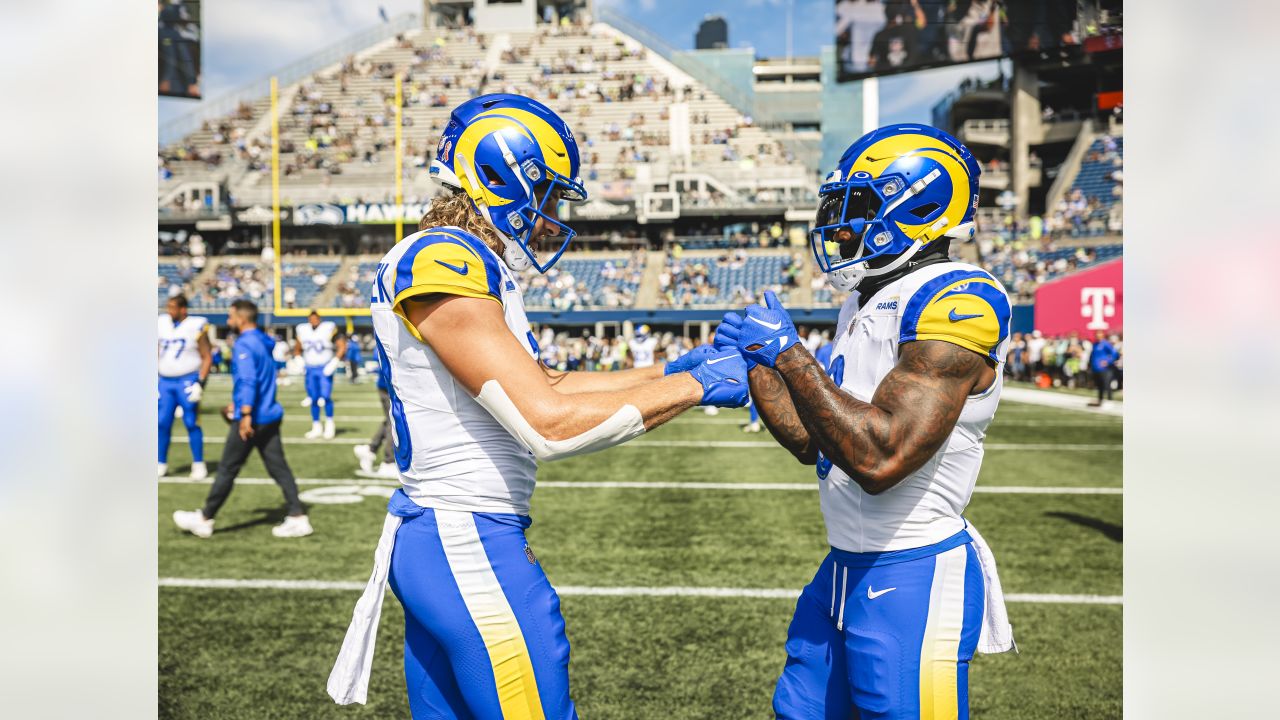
(349, 681)
(997, 633)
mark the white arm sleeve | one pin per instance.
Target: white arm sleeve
(618, 428)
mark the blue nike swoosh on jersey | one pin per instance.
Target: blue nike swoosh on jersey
(953, 317)
(460, 270)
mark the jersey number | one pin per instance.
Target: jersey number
(837, 376)
(399, 426)
(178, 345)
(313, 346)
(380, 293)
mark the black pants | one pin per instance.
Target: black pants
(266, 438)
(1102, 378)
(383, 433)
(353, 371)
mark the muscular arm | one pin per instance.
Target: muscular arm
(580, 381)
(471, 338)
(773, 402)
(206, 356)
(911, 414)
(340, 348)
(297, 347)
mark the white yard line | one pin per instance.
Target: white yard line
(1057, 400)
(659, 485)
(673, 591)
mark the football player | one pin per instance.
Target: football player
(184, 361)
(320, 346)
(895, 427)
(473, 413)
(643, 347)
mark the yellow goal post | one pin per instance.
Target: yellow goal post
(278, 309)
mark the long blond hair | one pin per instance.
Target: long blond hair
(455, 209)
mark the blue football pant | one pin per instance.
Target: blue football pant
(484, 637)
(879, 636)
(319, 386)
(173, 395)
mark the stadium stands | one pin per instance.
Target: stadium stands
(337, 127)
(731, 280)
(302, 282)
(173, 276)
(586, 283)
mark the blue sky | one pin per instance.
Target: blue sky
(244, 40)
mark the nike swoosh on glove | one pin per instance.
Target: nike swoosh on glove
(766, 331)
(723, 376)
(331, 367)
(687, 361)
(194, 392)
(726, 337)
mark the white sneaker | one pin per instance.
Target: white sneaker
(199, 471)
(751, 427)
(293, 526)
(711, 410)
(162, 469)
(194, 522)
(306, 402)
(315, 431)
(388, 470)
(366, 457)
(329, 429)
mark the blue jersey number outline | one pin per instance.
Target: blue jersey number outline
(399, 426)
(837, 376)
(181, 344)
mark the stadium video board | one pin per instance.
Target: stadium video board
(882, 37)
(179, 48)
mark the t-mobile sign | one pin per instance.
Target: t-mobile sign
(1086, 301)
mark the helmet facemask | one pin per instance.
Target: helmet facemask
(853, 238)
(541, 187)
(546, 189)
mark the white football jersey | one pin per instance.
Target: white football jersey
(317, 342)
(953, 302)
(451, 452)
(178, 345)
(642, 350)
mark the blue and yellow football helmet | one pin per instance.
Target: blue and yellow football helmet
(512, 156)
(896, 190)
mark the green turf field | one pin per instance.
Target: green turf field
(266, 653)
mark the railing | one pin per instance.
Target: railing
(714, 81)
(226, 103)
(1070, 166)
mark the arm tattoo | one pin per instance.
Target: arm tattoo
(773, 402)
(911, 414)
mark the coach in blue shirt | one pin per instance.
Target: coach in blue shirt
(1102, 363)
(255, 415)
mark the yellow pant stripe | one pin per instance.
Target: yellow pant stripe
(940, 651)
(512, 669)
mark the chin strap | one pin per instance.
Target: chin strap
(935, 252)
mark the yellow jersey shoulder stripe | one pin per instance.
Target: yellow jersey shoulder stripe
(963, 307)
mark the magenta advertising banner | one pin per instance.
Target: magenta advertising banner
(1085, 302)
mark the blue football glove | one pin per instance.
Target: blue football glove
(726, 337)
(768, 330)
(686, 362)
(723, 376)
